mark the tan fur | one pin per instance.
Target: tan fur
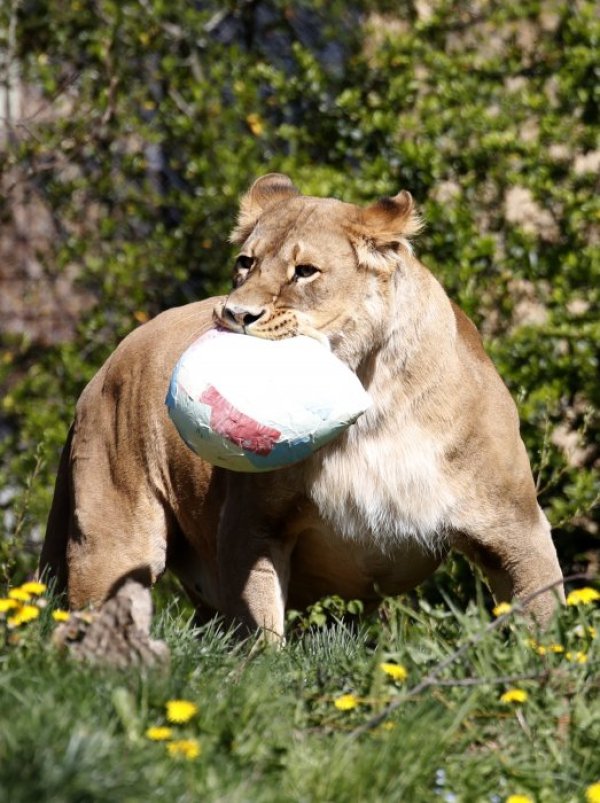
(436, 463)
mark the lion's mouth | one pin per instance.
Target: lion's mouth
(223, 323)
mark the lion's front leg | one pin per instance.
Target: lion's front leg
(254, 562)
(254, 575)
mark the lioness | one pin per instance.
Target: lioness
(436, 463)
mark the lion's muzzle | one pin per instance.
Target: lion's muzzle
(237, 317)
(265, 322)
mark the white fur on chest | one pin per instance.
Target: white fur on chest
(380, 489)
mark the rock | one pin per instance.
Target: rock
(116, 635)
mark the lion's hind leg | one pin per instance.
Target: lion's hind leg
(53, 559)
(102, 529)
(111, 543)
(519, 561)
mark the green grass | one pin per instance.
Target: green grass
(269, 729)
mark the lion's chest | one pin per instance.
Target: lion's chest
(383, 490)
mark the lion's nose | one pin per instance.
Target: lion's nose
(242, 316)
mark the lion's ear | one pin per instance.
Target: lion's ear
(385, 225)
(266, 191)
(392, 219)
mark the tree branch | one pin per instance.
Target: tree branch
(432, 679)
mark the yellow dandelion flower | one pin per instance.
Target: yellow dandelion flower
(184, 748)
(34, 588)
(346, 702)
(514, 696)
(181, 710)
(540, 649)
(592, 793)
(19, 595)
(26, 613)
(159, 734)
(61, 616)
(8, 605)
(519, 799)
(395, 671)
(502, 608)
(543, 650)
(29, 612)
(578, 657)
(583, 596)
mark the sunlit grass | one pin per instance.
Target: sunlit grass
(337, 714)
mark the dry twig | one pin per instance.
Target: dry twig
(433, 679)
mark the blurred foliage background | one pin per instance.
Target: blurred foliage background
(129, 128)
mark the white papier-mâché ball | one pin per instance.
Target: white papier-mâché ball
(250, 404)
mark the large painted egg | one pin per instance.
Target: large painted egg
(249, 404)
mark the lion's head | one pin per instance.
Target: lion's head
(316, 266)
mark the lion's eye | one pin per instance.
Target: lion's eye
(242, 266)
(305, 271)
(244, 262)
